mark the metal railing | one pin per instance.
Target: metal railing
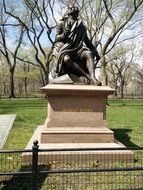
(33, 96)
(72, 169)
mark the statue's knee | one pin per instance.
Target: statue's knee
(66, 59)
(88, 54)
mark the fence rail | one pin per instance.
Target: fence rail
(33, 96)
(42, 96)
(74, 172)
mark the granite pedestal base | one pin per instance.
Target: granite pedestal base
(76, 114)
(77, 118)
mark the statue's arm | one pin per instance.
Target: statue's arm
(62, 34)
(90, 45)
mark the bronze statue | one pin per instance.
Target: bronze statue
(71, 57)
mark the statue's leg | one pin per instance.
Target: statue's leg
(88, 59)
(67, 61)
(72, 67)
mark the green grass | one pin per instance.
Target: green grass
(30, 114)
(125, 117)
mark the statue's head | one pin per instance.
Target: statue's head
(73, 10)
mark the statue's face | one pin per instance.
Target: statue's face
(73, 11)
(74, 14)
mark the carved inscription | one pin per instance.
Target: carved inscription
(77, 110)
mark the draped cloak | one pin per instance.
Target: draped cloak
(73, 45)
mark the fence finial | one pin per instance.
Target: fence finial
(35, 143)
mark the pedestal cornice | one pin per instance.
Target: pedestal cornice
(51, 89)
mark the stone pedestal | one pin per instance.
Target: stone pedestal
(76, 114)
(77, 119)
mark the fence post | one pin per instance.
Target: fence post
(35, 148)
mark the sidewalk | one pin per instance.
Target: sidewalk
(6, 122)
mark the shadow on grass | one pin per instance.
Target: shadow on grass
(122, 135)
(22, 181)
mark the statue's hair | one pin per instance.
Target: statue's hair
(72, 8)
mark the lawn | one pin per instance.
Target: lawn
(29, 114)
(123, 116)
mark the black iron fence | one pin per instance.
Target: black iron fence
(42, 96)
(23, 96)
(72, 169)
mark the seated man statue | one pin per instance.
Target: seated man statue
(72, 57)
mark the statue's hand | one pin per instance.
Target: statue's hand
(66, 32)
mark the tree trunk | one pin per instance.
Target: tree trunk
(19, 88)
(116, 88)
(4, 88)
(104, 78)
(12, 94)
(46, 75)
(122, 90)
(47, 78)
(25, 85)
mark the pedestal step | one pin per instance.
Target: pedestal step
(77, 135)
(53, 153)
(86, 156)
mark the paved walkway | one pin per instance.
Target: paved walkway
(6, 122)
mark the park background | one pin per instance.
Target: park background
(27, 33)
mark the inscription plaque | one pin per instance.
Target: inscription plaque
(77, 110)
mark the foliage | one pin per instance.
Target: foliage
(120, 67)
(30, 25)
(4, 77)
